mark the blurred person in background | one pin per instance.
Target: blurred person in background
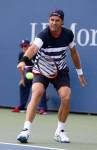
(25, 84)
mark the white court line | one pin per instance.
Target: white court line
(49, 148)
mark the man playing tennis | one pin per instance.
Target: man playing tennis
(53, 41)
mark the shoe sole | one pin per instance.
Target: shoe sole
(22, 140)
(58, 140)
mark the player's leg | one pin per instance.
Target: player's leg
(60, 134)
(37, 92)
(63, 87)
(64, 94)
(43, 104)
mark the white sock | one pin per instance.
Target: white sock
(60, 126)
(27, 125)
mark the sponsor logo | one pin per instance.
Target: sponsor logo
(83, 36)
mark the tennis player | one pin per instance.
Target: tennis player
(54, 42)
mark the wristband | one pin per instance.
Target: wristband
(26, 60)
(79, 72)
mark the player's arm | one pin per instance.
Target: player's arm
(32, 50)
(75, 57)
(77, 63)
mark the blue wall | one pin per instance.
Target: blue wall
(18, 19)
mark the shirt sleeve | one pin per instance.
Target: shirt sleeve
(72, 43)
(38, 42)
(40, 38)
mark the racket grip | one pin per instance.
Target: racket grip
(28, 68)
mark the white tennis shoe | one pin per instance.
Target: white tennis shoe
(23, 136)
(60, 136)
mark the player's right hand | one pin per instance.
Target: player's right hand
(21, 66)
(82, 80)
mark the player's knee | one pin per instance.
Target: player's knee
(37, 89)
(65, 99)
(37, 92)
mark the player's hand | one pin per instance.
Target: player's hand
(82, 80)
(21, 66)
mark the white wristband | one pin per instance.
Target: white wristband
(79, 72)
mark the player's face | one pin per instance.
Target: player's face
(55, 23)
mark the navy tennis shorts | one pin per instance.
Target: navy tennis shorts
(62, 79)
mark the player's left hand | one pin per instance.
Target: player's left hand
(82, 80)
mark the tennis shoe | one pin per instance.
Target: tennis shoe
(60, 136)
(16, 109)
(23, 136)
(42, 112)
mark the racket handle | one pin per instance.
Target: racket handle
(27, 68)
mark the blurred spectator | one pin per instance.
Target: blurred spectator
(25, 84)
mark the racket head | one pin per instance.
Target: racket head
(47, 66)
